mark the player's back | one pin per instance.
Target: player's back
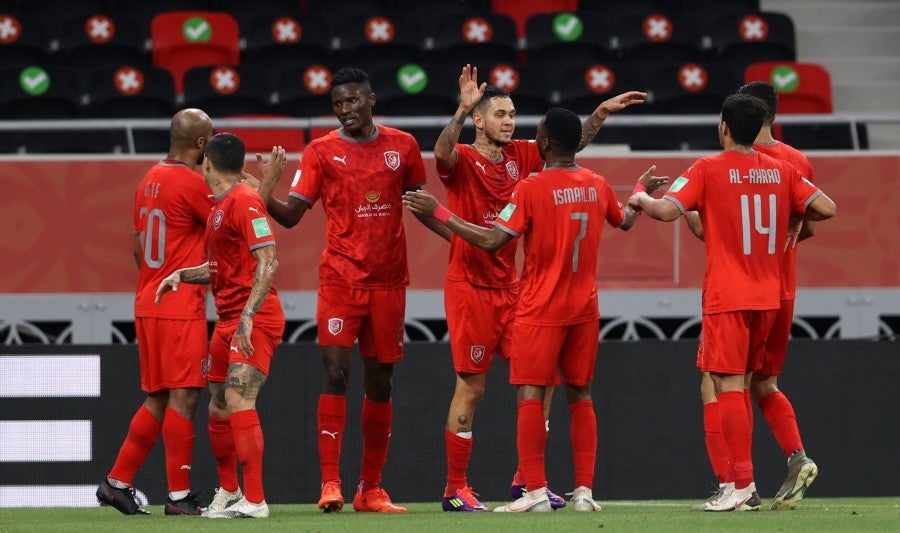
(170, 208)
(564, 213)
(744, 210)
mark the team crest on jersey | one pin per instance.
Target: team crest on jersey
(392, 159)
(217, 218)
(206, 364)
(476, 353)
(512, 170)
(335, 325)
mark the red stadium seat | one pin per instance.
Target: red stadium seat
(261, 140)
(802, 87)
(187, 39)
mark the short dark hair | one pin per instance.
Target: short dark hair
(563, 128)
(744, 115)
(350, 75)
(491, 91)
(765, 92)
(226, 152)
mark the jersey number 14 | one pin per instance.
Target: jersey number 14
(754, 221)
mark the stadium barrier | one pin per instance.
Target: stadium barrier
(65, 410)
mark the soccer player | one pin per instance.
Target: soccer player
(240, 268)
(744, 200)
(555, 330)
(359, 171)
(481, 288)
(171, 205)
(763, 383)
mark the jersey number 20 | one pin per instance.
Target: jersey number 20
(154, 236)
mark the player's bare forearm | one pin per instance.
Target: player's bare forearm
(589, 128)
(488, 239)
(287, 214)
(435, 225)
(695, 224)
(631, 215)
(821, 208)
(661, 209)
(266, 267)
(445, 147)
(198, 275)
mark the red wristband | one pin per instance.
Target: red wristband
(442, 213)
(640, 187)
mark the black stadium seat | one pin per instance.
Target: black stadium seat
(285, 37)
(304, 90)
(745, 38)
(122, 91)
(37, 92)
(377, 39)
(553, 38)
(480, 38)
(658, 37)
(224, 90)
(101, 39)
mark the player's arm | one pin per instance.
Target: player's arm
(821, 208)
(198, 275)
(631, 215)
(287, 213)
(136, 249)
(422, 203)
(696, 226)
(266, 266)
(470, 92)
(432, 223)
(595, 120)
(660, 209)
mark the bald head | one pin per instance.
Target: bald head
(188, 125)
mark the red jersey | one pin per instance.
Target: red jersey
(561, 214)
(477, 189)
(744, 201)
(361, 185)
(238, 225)
(788, 153)
(170, 209)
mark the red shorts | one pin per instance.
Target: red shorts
(478, 320)
(372, 316)
(171, 353)
(777, 342)
(265, 337)
(733, 341)
(541, 353)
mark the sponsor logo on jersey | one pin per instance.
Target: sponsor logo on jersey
(217, 218)
(392, 159)
(373, 196)
(679, 184)
(261, 227)
(476, 353)
(335, 325)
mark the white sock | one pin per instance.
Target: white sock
(178, 495)
(116, 483)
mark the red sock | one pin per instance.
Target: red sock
(249, 444)
(748, 401)
(222, 443)
(142, 435)
(780, 415)
(376, 429)
(736, 433)
(715, 444)
(332, 419)
(178, 439)
(458, 452)
(518, 477)
(531, 437)
(583, 433)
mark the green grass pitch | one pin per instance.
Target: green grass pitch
(815, 515)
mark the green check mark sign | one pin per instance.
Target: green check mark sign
(567, 27)
(34, 80)
(785, 79)
(196, 30)
(412, 79)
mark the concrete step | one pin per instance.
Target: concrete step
(848, 42)
(860, 68)
(844, 14)
(866, 96)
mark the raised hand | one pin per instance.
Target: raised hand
(652, 182)
(470, 92)
(620, 102)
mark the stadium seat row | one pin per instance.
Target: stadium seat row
(180, 40)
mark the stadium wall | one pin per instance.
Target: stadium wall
(65, 409)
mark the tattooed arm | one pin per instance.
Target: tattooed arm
(470, 92)
(595, 120)
(266, 266)
(197, 275)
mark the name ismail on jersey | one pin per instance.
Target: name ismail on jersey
(567, 195)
